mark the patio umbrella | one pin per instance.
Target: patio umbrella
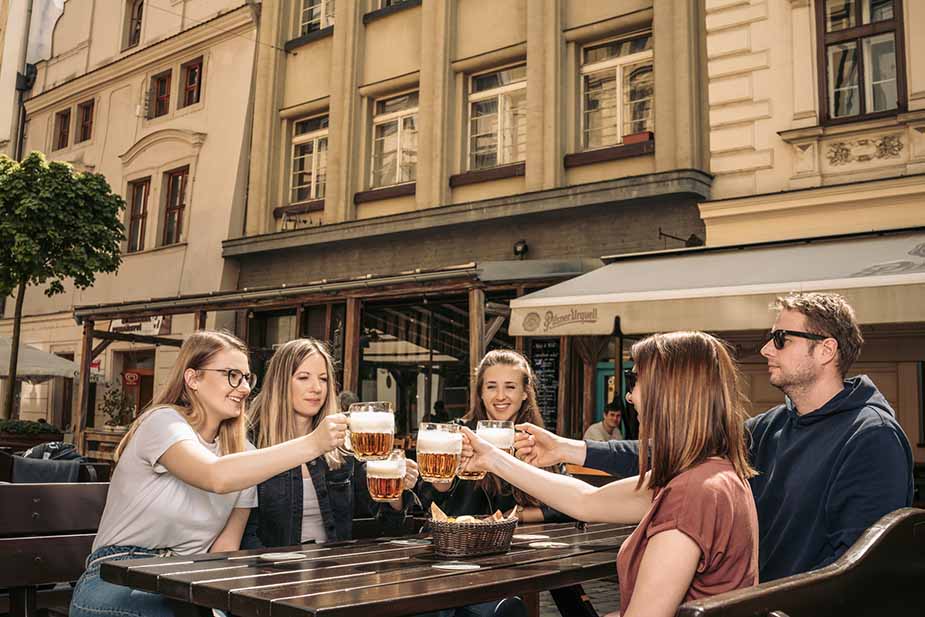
(35, 365)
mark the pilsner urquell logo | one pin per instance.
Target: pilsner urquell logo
(553, 321)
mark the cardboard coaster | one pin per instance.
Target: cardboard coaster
(281, 556)
(529, 536)
(456, 566)
(411, 542)
(548, 545)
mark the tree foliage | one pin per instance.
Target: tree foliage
(56, 224)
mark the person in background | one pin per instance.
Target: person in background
(315, 500)
(609, 426)
(831, 460)
(697, 533)
(184, 477)
(345, 399)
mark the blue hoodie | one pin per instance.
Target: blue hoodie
(823, 478)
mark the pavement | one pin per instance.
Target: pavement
(604, 595)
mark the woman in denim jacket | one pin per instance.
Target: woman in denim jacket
(314, 502)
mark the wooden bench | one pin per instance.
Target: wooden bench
(46, 533)
(881, 575)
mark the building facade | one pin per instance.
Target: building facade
(156, 97)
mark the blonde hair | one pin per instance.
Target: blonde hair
(271, 413)
(529, 409)
(196, 352)
(693, 405)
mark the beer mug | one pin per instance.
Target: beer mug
(385, 478)
(439, 449)
(371, 431)
(500, 434)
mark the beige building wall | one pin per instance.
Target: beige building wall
(434, 48)
(779, 173)
(210, 137)
(12, 31)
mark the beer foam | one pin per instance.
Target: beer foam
(385, 469)
(440, 442)
(499, 437)
(372, 422)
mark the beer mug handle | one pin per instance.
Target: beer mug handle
(347, 448)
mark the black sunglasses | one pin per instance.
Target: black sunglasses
(629, 378)
(780, 336)
(235, 377)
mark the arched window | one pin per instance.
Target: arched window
(135, 15)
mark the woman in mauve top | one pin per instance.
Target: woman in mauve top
(697, 532)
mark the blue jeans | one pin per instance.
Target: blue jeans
(94, 597)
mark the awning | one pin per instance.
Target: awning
(730, 288)
(35, 365)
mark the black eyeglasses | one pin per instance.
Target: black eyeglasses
(235, 377)
(780, 336)
(629, 378)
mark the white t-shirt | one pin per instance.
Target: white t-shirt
(597, 432)
(312, 523)
(150, 507)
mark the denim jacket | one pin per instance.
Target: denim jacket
(342, 493)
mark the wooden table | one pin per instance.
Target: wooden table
(373, 577)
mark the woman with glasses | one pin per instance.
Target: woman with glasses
(184, 478)
(697, 533)
(315, 500)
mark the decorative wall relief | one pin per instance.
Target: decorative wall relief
(864, 150)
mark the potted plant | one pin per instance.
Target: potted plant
(118, 406)
(638, 138)
(23, 434)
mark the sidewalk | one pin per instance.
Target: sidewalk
(603, 593)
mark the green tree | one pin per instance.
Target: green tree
(55, 224)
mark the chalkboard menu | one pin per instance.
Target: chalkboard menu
(544, 358)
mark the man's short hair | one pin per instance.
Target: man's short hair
(831, 315)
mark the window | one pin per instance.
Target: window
(176, 204)
(498, 118)
(135, 14)
(138, 213)
(309, 159)
(315, 15)
(387, 3)
(617, 91)
(159, 94)
(192, 82)
(863, 58)
(62, 129)
(84, 121)
(395, 140)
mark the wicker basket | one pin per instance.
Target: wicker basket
(472, 539)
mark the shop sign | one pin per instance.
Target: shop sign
(150, 326)
(552, 321)
(131, 378)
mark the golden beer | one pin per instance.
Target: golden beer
(437, 466)
(385, 478)
(371, 446)
(439, 449)
(500, 434)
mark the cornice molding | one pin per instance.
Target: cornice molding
(231, 24)
(193, 139)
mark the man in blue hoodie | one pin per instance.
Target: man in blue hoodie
(831, 460)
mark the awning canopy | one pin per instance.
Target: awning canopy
(35, 365)
(730, 288)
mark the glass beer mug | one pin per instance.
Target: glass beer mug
(385, 478)
(500, 434)
(439, 449)
(371, 431)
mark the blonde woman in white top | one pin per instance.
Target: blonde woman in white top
(183, 483)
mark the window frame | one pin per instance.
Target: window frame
(61, 137)
(494, 93)
(185, 88)
(167, 76)
(133, 24)
(181, 206)
(84, 130)
(394, 116)
(617, 64)
(134, 217)
(857, 35)
(297, 140)
(325, 20)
